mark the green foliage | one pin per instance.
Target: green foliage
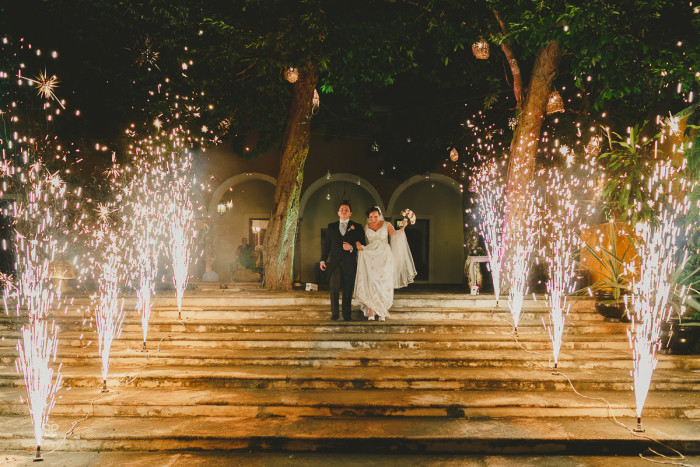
(685, 290)
(628, 48)
(628, 164)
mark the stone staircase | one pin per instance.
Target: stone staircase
(246, 369)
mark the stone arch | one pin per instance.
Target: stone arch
(231, 182)
(338, 177)
(439, 178)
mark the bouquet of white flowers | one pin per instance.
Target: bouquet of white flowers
(409, 216)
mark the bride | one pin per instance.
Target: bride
(382, 268)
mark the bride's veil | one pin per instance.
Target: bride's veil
(381, 216)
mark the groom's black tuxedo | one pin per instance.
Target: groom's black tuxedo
(341, 264)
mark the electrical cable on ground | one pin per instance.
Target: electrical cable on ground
(122, 382)
(611, 415)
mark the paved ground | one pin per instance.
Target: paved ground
(84, 459)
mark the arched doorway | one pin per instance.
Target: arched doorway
(437, 238)
(319, 207)
(247, 199)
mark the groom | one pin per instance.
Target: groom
(340, 251)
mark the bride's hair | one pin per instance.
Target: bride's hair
(373, 209)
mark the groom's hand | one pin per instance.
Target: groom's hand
(347, 246)
(322, 265)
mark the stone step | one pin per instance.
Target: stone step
(352, 358)
(186, 340)
(346, 434)
(206, 299)
(347, 459)
(318, 313)
(167, 402)
(392, 326)
(152, 374)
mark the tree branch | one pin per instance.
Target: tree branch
(512, 62)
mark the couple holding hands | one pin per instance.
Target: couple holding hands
(364, 262)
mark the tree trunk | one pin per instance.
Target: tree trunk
(523, 153)
(513, 63)
(280, 238)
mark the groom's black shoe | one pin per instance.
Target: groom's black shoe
(347, 318)
(334, 318)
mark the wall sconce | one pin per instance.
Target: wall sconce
(221, 209)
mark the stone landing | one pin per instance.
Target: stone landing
(249, 370)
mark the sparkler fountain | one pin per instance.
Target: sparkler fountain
(181, 225)
(181, 234)
(522, 241)
(562, 217)
(110, 309)
(37, 351)
(37, 224)
(145, 227)
(658, 252)
(490, 189)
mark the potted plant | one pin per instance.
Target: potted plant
(681, 333)
(610, 266)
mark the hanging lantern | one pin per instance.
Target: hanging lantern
(291, 75)
(555, 103)
(454, 155)
(594, 146)
(315, 103)
(375, 147)
(481, 49)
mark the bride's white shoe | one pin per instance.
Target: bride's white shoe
(371, 318)
(381, 318)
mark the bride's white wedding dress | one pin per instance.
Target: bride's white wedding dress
(381, 268)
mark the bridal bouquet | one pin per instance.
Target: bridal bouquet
(409, 216)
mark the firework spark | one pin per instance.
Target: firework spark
(37, 352)
(562, 217)
(110, 309)
(490, 189)
(181, 227)
(145, 232)
(658, 252)
(45, 86)
(38, 225)
(523, 241)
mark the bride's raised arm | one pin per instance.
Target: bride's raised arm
(391, 229)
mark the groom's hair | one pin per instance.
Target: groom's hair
(345, 202)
